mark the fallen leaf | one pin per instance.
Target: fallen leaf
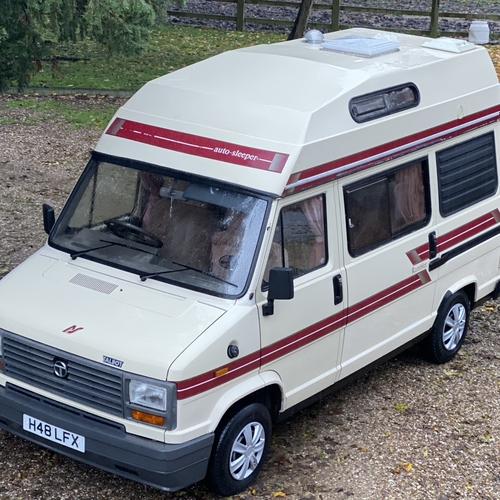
(407, 466)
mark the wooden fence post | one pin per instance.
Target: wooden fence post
(299, 26)
(434, 18)
(240, 15)
(335, 15)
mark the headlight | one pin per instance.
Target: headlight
(148, 395)
(151, 401)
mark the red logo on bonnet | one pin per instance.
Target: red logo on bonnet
(72, 329)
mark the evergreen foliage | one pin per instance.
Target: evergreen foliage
(30, 28)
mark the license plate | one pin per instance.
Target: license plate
(53, 433)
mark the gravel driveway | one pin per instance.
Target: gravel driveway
(382, 21)
(408, 430)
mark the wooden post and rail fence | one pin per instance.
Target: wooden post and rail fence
(335, 7)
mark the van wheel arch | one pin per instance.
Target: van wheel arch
(450, 326)
(243, 436)
(270, 396)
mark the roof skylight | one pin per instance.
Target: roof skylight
(361, 46)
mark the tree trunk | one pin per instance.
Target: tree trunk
(300, 23)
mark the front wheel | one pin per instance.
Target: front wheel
(448, 333)
(240, 450)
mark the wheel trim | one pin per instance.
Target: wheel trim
(246, 452)
(454, 326)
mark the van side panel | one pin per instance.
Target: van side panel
(468, 228)
(390, 292)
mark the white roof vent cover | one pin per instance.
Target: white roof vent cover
(449, 45)
(361, 46)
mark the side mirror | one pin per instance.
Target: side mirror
(49, 218)
(280, 288)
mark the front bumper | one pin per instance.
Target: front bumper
(107, 446)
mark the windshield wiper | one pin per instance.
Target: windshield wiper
(144, 277)
(74, 255)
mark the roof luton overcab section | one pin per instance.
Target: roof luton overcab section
(281, 117)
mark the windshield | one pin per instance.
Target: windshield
(163, 226)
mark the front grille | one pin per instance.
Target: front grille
(87, 382)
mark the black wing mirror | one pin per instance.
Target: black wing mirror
(49, 218)
(280, 288)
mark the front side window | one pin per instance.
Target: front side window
(162, 225)
(386, 207)
(299, 240)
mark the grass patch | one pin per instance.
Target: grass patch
(170, 48)
(80, 118)
(4, 120)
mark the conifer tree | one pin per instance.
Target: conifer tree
(30, 28)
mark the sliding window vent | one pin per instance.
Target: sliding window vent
(467, 173)
(384, 102)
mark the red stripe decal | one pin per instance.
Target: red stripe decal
(467, 230)
(456, 236)
(359, 161)
(208, 380)
(303, 337)
(418, 254)
(387, 296)
(198, 146)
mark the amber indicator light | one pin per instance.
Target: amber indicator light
(147, 417)
(221, 371)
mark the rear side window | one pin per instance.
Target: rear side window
(386, 207)
(467, 173)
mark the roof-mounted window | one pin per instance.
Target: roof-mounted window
(384, 102)
(361, 46)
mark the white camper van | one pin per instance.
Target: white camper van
(251, 232)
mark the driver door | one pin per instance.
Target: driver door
(302, 338)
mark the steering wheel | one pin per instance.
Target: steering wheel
(129, 231)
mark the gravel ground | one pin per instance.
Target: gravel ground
(409, 430)
(348, 18)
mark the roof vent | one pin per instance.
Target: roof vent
(448, 45)
(361, 46)
(314, 36)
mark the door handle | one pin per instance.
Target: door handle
(338, 293)
(432, 245)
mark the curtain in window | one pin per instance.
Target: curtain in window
(409, 194)
(313, 210)
(152, 184)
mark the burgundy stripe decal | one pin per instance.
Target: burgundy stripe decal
(302, 338)
(359, 161)
(197, 145)
(456, 236)
(418, 254)
(208, 380)
(467, 230)
(387, 296)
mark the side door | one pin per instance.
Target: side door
(388, 220)
(302, 339)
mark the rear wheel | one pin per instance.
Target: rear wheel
(448, 333)
(240, 450)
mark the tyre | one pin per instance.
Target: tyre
(448, 333)
(240, 450)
